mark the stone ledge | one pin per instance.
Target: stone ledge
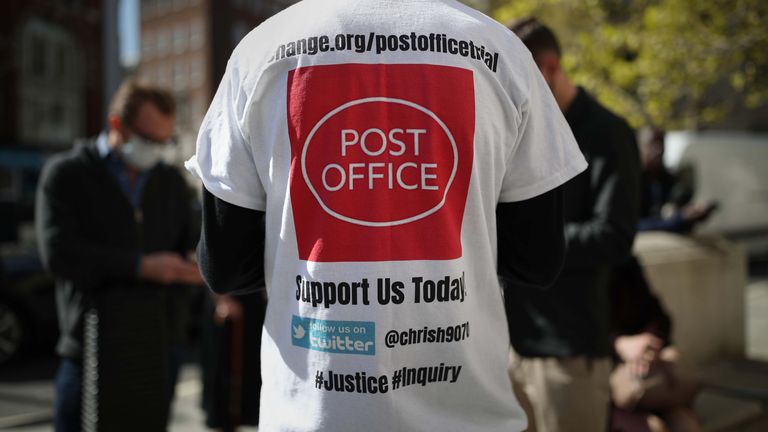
(720, 413)
(700, 281)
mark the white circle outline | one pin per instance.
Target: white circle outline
(388, 223)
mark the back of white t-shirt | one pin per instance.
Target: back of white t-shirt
(378, 137)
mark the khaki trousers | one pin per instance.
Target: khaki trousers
(570, 394)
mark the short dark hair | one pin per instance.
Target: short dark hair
(132, 94)
(536, 36)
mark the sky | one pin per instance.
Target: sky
(128, 31)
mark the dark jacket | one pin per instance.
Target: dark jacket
(601, 213)
(635, 307)
(91, 238)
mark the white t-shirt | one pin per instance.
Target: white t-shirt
(378, 137)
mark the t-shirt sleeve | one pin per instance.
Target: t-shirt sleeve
(224, 159)
(546, 154)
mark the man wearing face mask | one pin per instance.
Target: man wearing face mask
(113, 219)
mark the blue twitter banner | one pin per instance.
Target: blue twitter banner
(339, 337)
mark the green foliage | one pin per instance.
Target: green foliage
(670, 63)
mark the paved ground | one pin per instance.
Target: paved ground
(25, 406)
(757, 319)
(26, 390)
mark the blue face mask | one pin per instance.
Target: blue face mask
(144, 154)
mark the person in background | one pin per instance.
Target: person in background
(666, 197)
(112, 217)
(231, 361)
(561, 362)
(231, 356)
(650, 391)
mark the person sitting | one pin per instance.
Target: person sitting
(649, 389)
(665, 196)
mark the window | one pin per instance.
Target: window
(50, 85)
(56, 115)
(162, 6)
(180, 38)
(61, 58)
(180, 74)
(38, 61)
(163, 75)
(148, 44)
(196, 34)
(163, 42)
(147, 74)
(182, 110)
(196, 72)
(147, 8)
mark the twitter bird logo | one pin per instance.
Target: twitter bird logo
(298, 332)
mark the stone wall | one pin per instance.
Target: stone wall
(700, 281)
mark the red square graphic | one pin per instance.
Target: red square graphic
(381, 160)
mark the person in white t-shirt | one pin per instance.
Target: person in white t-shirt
(386, 145)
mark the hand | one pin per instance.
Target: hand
(643, 346)
(697, 212)
(639, 352)
(639, 368)
(227, 308)
(168, 268)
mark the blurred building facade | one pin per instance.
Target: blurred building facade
(185, 45)
(51, 93)
(50, 71)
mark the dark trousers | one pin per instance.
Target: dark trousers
(68, 401)
(69, 396)
(176, 358)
